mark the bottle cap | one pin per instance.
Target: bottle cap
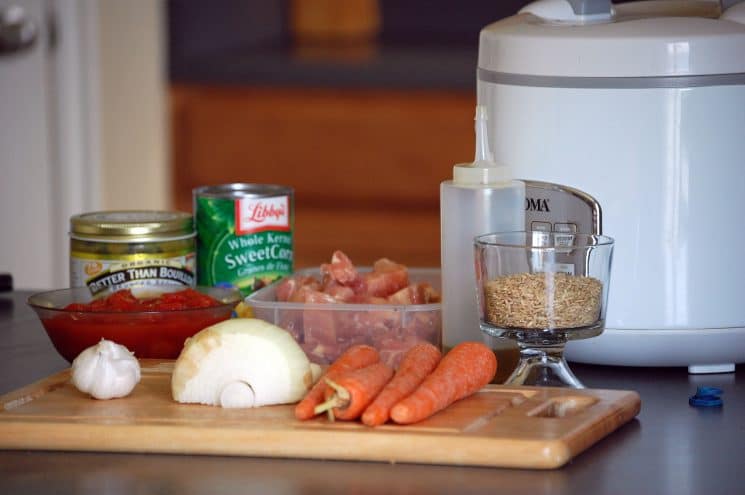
(706, 397)
(483, 170)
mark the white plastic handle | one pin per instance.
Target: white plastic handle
(572, 11)
(591, 7)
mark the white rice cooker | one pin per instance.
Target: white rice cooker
(641, 105)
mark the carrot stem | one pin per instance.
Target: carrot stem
(355, 357)
(354, 391)
(340, 398)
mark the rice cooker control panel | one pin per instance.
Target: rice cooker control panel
(555, 213)
(560, 209)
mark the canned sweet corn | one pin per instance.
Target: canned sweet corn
(244, 234)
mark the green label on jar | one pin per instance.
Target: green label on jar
(244, 242)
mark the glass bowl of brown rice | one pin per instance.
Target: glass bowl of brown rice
(542, 289)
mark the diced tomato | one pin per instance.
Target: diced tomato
(157, 335)
(170, 306)
(119, 301)
(123, 301)
(196, 299)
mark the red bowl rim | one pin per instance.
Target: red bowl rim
(225, 292)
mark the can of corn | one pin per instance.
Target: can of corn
(112, 250)
(244, 234)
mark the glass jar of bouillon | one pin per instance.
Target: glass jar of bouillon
(112, 250)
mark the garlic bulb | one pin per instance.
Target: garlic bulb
(106, 370)
(242, 362)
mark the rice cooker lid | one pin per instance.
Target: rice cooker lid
(641, 44)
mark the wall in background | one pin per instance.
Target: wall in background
(134, 135)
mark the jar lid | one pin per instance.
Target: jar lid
(126, 224)
(646, 39)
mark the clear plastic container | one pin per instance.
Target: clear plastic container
(481, 198)
(467, 212)
(324, 331)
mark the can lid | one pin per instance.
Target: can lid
(242, 190)
(131, 223)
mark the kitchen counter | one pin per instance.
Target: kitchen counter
(670, 448)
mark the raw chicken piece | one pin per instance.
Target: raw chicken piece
(319, 329)
(366, 299)
(313, 296)
(421, 293)
(285, 288)
(425, 325)
(386, 278)
(320, 354)
(430, 294)
(325, 334)
(340, 293)
(292, 321)
(366, 324)
(290, 285)
(340, 270)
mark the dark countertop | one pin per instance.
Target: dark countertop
(670, 448)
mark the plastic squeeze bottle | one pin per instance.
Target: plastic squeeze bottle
(482, 198)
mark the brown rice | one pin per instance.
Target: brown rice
(542, 300)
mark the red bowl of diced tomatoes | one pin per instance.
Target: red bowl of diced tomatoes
(151, 322)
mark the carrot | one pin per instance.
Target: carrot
(417, 363)
(351, 393)
(355, 357)
(463, 371)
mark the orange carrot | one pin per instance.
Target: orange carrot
(355, 357)
(417, 363)
(463, 371)
(351, 393)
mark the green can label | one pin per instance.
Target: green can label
(245, 242)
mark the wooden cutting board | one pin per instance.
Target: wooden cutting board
(526, 427)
